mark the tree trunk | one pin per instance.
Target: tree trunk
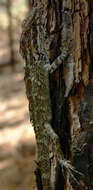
(10, 33)
(67, 84)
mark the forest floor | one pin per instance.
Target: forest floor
(17, 141)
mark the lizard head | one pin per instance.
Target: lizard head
(34, 17)
(29, 31)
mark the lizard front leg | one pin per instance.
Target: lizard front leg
(68, 66)
(57, 62)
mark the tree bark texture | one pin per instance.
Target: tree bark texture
(67, 120)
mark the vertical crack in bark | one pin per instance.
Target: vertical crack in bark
(56, 78)
(60, 123)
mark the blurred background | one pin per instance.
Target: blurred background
(17, 141)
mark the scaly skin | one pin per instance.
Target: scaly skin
(37, 70)
(37, 89)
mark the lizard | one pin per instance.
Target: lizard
(37, 69)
